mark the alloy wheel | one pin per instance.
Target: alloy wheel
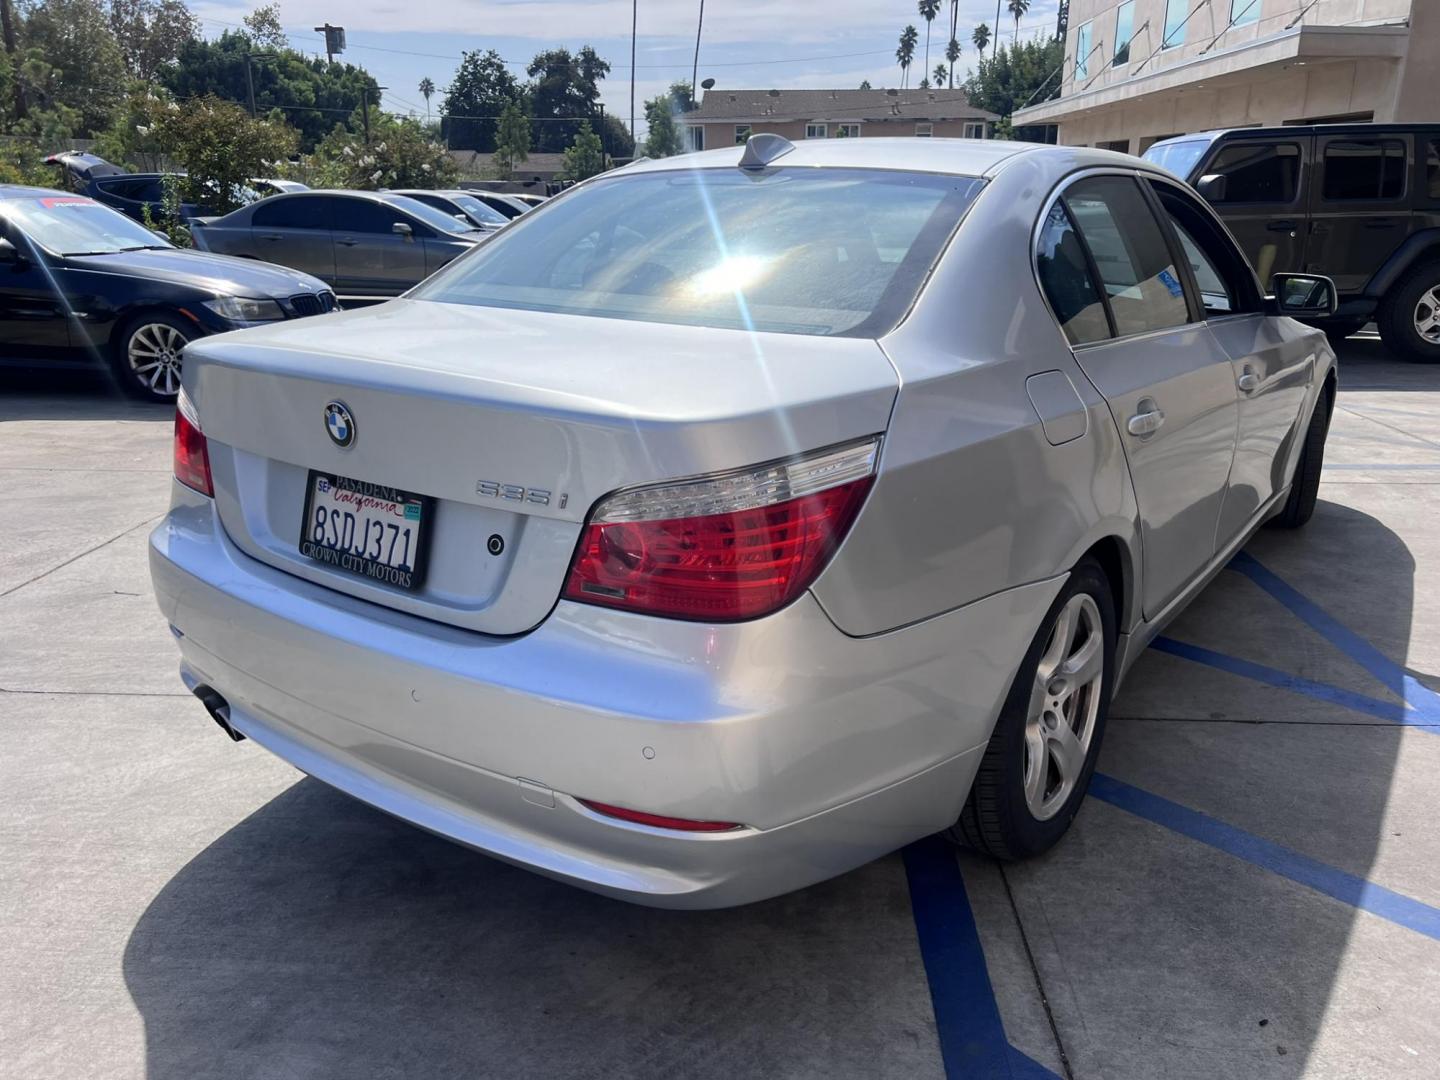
(1064, 704)
(154, 355)
(1427, 315)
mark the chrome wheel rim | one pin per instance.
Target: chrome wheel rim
(1427, 315)
(1064, 702)
(154, 354)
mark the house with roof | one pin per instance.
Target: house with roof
(729, 117)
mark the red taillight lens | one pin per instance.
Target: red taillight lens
(659, 821)
(192, 459)
(775, 529)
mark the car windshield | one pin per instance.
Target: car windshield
(802, 251)
(75, 225)
(436, 219)
(478, 210)
(1178, 157)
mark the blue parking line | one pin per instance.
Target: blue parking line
(973, 1044)
(1347, 888)
(1414, 693)
(1393, 711)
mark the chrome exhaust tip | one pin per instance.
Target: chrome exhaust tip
(219, 710)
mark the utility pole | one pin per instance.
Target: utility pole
(249, 86)
(634, 20)
(334, 40)
(695, 68)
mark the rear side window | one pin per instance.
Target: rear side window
(804, 251)
(1136, 270)
(1364, 169)
(1065, 276)
(1432, 169)
(1258, 172)
(292, 213)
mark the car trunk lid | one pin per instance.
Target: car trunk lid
(513, 422)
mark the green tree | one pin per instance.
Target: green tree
(905, 52)
(980, 38)
(664, 134)
(865, 84)
(952, 56)
(683, 95)
(311, 93)
(939, 75)
(928, 10)
(399, 155)
(1017, 8)
(85, 68)
(1012, 78)
(584, 157)
(512, 138)
(427, 90)
(219, 146)
(151, 33)
(564, 89)
(263, 26)
(474, 100)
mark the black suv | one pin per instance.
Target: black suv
(1359, 203)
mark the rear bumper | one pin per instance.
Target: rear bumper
(831, 750)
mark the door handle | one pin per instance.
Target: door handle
(1380, 223)
(1248, 381)
(1281, 226)
(347, 242)
(1147, 421)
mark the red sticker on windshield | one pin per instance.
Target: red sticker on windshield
(64, 200)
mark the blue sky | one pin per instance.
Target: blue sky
(746, 43)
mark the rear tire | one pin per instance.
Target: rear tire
(146, 355)
(1306, 485)
(1409, 316)
(1015, 811)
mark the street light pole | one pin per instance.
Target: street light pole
(249, 86)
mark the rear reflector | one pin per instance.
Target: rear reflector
(722, 548)
(659, 821)
(192, 459)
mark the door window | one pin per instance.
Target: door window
(363, 216)
(1065, 276)
(1432, 169)
(300, 212)
(1138, 276)
(1221, 275)
(1367, 169)
(1258, 172)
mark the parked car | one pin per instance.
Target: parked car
(459, 204)
(1357, 202)
(81, 283)
(135, 193)
(509, 205)
(530, 200)
(748, 514)
(363, 243)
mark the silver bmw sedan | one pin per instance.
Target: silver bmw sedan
(733, 519)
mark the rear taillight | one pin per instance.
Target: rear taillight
(722, 548)
(192, 459)
(660, 821)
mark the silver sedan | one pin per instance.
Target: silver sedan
(733, 519)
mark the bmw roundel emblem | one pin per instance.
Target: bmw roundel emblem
(339, 424)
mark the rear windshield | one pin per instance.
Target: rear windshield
(1178, 157)
(804, 251)
(436, 219)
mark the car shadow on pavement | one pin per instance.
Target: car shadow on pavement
(71, 394)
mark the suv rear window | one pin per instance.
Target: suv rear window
(1368, 169)
(1258, 172)
(803, 251)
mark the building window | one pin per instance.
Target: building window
(847, 131)
(1124, 31)
(1176, 14)
(1244, 12)
(1120, 146)
(974, 129)
(694, 138)
(924, 131)
(1373, 169)
(1082, 52)
(816, 131)
(742, 132)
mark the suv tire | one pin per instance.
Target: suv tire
(1413, 304)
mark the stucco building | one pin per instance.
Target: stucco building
(1141, 70)
(728, 117)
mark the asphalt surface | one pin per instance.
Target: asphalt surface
(1253, 889)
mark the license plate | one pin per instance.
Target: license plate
(370, 530)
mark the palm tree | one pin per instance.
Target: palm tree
(905, 54)
(427, 87)
(938, 75)
(952, 54)
(928, 10)
(980, 37)
(1018, 8)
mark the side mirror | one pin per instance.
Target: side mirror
(1212, 187)
(1304, 296)
(400, 228)
(9, 255)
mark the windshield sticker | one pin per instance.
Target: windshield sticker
(67, 200)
